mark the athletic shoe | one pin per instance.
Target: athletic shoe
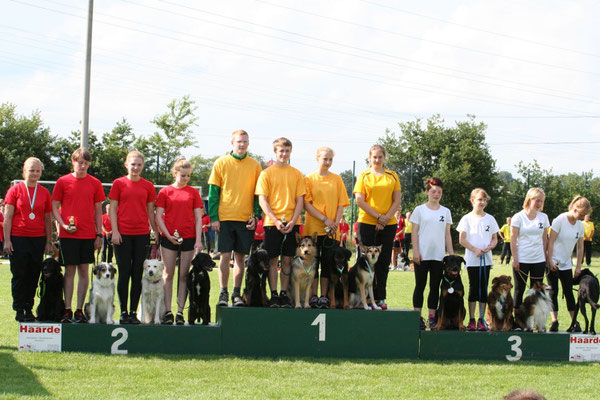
(223, 299)
(481, 325)
(67, 317)
(471, 327)
(124, 320)
(432, 322)
(179, 318)
(29, 317)
(554, 326)
(79, 318)
(422, 324)
(576, 327)
(382, 304)
(323, 302)
(168, 318)
(236, 300)
(274, 301)
(313, 302)
(284, 301)
(20, 316)
(133, 319)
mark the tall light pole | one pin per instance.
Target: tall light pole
(85, 125)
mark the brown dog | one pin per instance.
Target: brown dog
(303, 270)
(361, 278)
(338, 277)
(451, 311)
(500, 304)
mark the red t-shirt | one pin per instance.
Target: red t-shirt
(205, 222)
(179, 205)
(259, 232)
(344, 228)
(78, 197)
(133, 198)
(106, 223)
(21, 224)
(1, 227)
(399, 227)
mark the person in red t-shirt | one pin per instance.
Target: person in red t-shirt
(27, 233)
(344, 228)
(179, 211)
(398, 238)
(77, 207)
(206, 232)
(107, 247)
(131, 216)
(259, 232)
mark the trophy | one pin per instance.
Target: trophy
(71, 228)
(249, 221)
(177, 237)
(152, 238)
(283, 221)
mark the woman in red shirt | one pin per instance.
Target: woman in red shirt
(179, 210)
(131, 215)
(27, 233)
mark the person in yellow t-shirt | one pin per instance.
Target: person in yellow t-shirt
(505, 235)
(232, 210)
(588, 235)
(325, 200)
(407, 241)
(378, 195)
(280, 190)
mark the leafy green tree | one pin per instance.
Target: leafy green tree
(114, 148)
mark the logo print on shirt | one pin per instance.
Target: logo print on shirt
(487, 228)
(541, 226)
(576, 235)
(441, 218)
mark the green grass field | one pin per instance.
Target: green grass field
(79, 375)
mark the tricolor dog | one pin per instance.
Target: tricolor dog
(102, 294)
(303, 270)
(361, 278)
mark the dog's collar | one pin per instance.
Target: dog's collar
(303, 266)
(156, 281)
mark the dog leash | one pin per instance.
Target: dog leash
(41, 287)
(369, 268)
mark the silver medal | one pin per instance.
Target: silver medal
(450, 290)
(31, 216)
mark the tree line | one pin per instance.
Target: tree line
(458, 155)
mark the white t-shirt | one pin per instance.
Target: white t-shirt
(432, 231)
(530, 245)
(567, 238)
(479, 232)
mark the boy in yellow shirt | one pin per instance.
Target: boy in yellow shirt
(280, 191)
(588, 235)
(232, 211)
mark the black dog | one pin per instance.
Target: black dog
(257, 269)
(52, 304)
(198, 284)
(338, 277)
(451, 312)
(588, 293)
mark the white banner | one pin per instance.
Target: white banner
(584, 348)
(40, 337)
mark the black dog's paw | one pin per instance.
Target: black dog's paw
(592, 332)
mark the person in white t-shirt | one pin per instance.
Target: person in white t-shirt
(478, 235)
(430, 238)
(567, 231)
(529, 242)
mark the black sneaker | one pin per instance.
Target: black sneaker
(124, 320)
(274, 301)
(236, 300)
(313, 302)
(168, 318)
(576, 328)
(67, 317)
(422, 326)
(29, 317)
(323, 302)
(432, 322)
(133, 319)
(179, 318)
(20, 316)
(284, 301)
(223, 299)
(554, 326)
(79, 318)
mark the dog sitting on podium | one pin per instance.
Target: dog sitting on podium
(451, 311)
(339, 277)
(257, 270)
(101, 307)
(500, 304)
(198, 284)
(361, 278)
(303, 270)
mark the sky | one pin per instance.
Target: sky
(334, 73)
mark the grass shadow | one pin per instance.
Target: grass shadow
(19, 380)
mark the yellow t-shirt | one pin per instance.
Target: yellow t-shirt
(505, 230)
(237, 180)
(588, 227)
(407, 226)
(281, 186)
(326, 194)
(378, 192)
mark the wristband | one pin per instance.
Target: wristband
(324, 218)
(98, 235)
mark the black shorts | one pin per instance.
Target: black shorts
(234, 236)
(396, 244)
(76, 251)
(276, 245)
(186, 245)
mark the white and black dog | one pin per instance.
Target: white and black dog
(153, 294)
(102, 294)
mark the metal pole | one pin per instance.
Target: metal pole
(86, 94)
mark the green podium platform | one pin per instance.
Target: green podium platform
(511, 346)
(260, 332)
(138, 339)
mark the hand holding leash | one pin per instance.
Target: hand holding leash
(215, 226)
(416, 256)
(553, 267)
(516, 266)
(251, 225)
(198, 247)
(49, 248)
